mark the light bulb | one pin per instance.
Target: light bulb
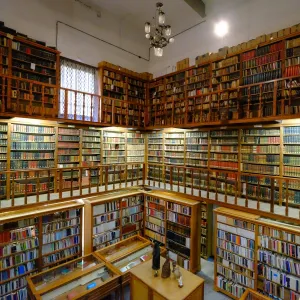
(161, 18)
(147, 27)
(171, 40)
(158, 51)
(148, 36)
(168, 31)
(221, 28)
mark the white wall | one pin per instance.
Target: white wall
(247, 19)
(37, 19)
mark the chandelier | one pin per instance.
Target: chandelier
(159, 33)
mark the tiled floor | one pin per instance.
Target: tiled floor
(207, 273)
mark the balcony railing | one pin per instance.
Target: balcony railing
(273, 194)
(23, 187)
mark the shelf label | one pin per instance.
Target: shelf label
(10, 36)
(258, 125)
(223, 127)
(32, 66)
(71, 126)
(92, 128)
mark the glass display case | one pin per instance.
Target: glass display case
(82, 278)
(122, 248)
(127, 254)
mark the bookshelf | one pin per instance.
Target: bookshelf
(258, 65)
(198, 84)
(32, 64)
(175, 95)
(155, 219)
(155, 147)
(206, 230)
(235, 258)
(114, 151)
(61, 239)
(156, 102)
(91, 155)
(225, 80)
(291, 158)
(278, 259)
(22, 247)
(292, 57)
(3, 157)
(111, 218)
(68, 154)
(174, 221)
(135, 147)
(91, 148)
(174, 148)
(132, 215)
(32, 147)
(196, 148)
(3, 55)
(224, 149)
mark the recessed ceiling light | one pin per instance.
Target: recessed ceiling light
(221, 28)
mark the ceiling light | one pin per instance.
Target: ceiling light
(158, 51)
(160, 36)
(221, 28)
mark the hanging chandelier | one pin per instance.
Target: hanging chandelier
(158, 33)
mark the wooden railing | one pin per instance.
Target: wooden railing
(272, 194)
(261, 192)
(23, 187)
(253, 295)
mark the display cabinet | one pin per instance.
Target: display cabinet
(87, 277)
(127, 254)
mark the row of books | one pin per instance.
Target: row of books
(229, 286)
(10, 261)
(154, 227)
(32, 129)
(155, 235)
(110, 225)
(235, 277)
(236, 239)
(106, 207)
(131, 210)
(58, 235)
(285, 248)
(64, 254)
(185, 241)
(134, 218)
(32, 146)
(285, 264)
(177, 218)
(60, 245)
(17, 234)
(179, 208)
(11, 286)
(280, 234)
(17, 271)
(18, 246)
(229, 257)
(60, 224)
(41, 164)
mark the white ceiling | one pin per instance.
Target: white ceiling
(178, 14)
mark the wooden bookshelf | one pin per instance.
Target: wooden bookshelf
(235, 257)
(32, 81)
(174, 221)
(198, 83)
(278, 259)
(156, 102)
(22, 242)
(255, 252)
(105, 223)
(206, 230)
(124, 96)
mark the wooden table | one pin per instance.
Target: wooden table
(143, 284)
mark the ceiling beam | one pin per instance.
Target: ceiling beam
(198, 6)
